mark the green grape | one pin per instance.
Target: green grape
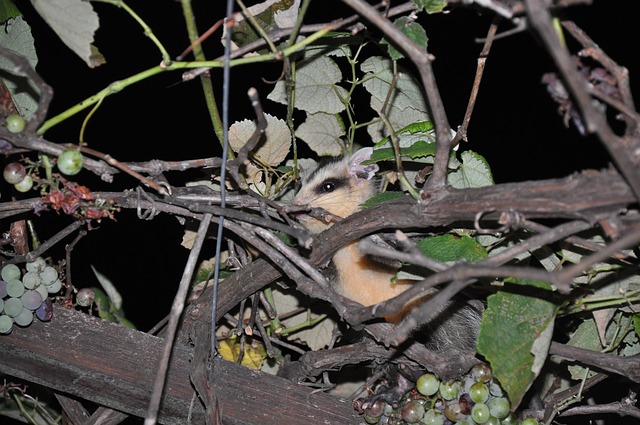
(15, 288)
(31, 299)
(510, 420)
(6, 323)
(428, 384)
(433, 417)
(54, 287)
(449, 389)
(37, 265)
(24, 185)
(492, 421)
(14, 123)
(48, 275)
(1, 305)
(10, 272)
(24, 318)
(479, 392)
(480, 413)
(529, 421)
(31, 280)
(70, 162)
(13, 307)
(499, 407)
(495, 389)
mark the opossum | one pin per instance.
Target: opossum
(340, 187)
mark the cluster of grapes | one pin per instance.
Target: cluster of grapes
(69, 162)
(475, 398)
(23, 297)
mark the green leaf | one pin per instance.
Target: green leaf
(269, 15)
(74, 21)
(418, 149)
(8, 10)
(322, 132)
(412, 30)
(431, 6)
(316, 87)
(452, 248)
(17, 37)
(407, 104)
(474, 172)
(382, 197)
(275, 144)
(408, 135)
(513, 327)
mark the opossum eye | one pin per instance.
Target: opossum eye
(328, 186)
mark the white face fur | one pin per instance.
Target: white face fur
(339, 187)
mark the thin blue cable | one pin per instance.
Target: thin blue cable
(223, 169)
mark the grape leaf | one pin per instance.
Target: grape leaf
(382, 197)
(431, 6)
(74, 21)
(8, 10)
(253, 355)
(474, 172)
(322, 133)
(516, 321)
(16, 36)
(406, 105)
(452, 248)
(270, 15)
(412, 30)
(276, 142)
(316, 87)
(418, 149)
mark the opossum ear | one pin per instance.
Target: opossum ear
(359, 170)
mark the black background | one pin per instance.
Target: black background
(515, 124)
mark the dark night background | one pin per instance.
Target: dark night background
(515, 124)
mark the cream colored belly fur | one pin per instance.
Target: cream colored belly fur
(364, 280)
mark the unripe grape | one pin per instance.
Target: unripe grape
(499, 407)
(10, 272)
(31, 280)
(13, 307)
(449, 389)
(70, 162)
(37, 265)
(433, 417)
(480, 413)
(529, 421)
(55, 287)
(25, 318)
(25, 185)
(14, 123)
(479, 392)
(428, 384)
(6, 323)
(14, 172)
(48, 275)
(15, 288)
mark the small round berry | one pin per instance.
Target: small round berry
(14, 123)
